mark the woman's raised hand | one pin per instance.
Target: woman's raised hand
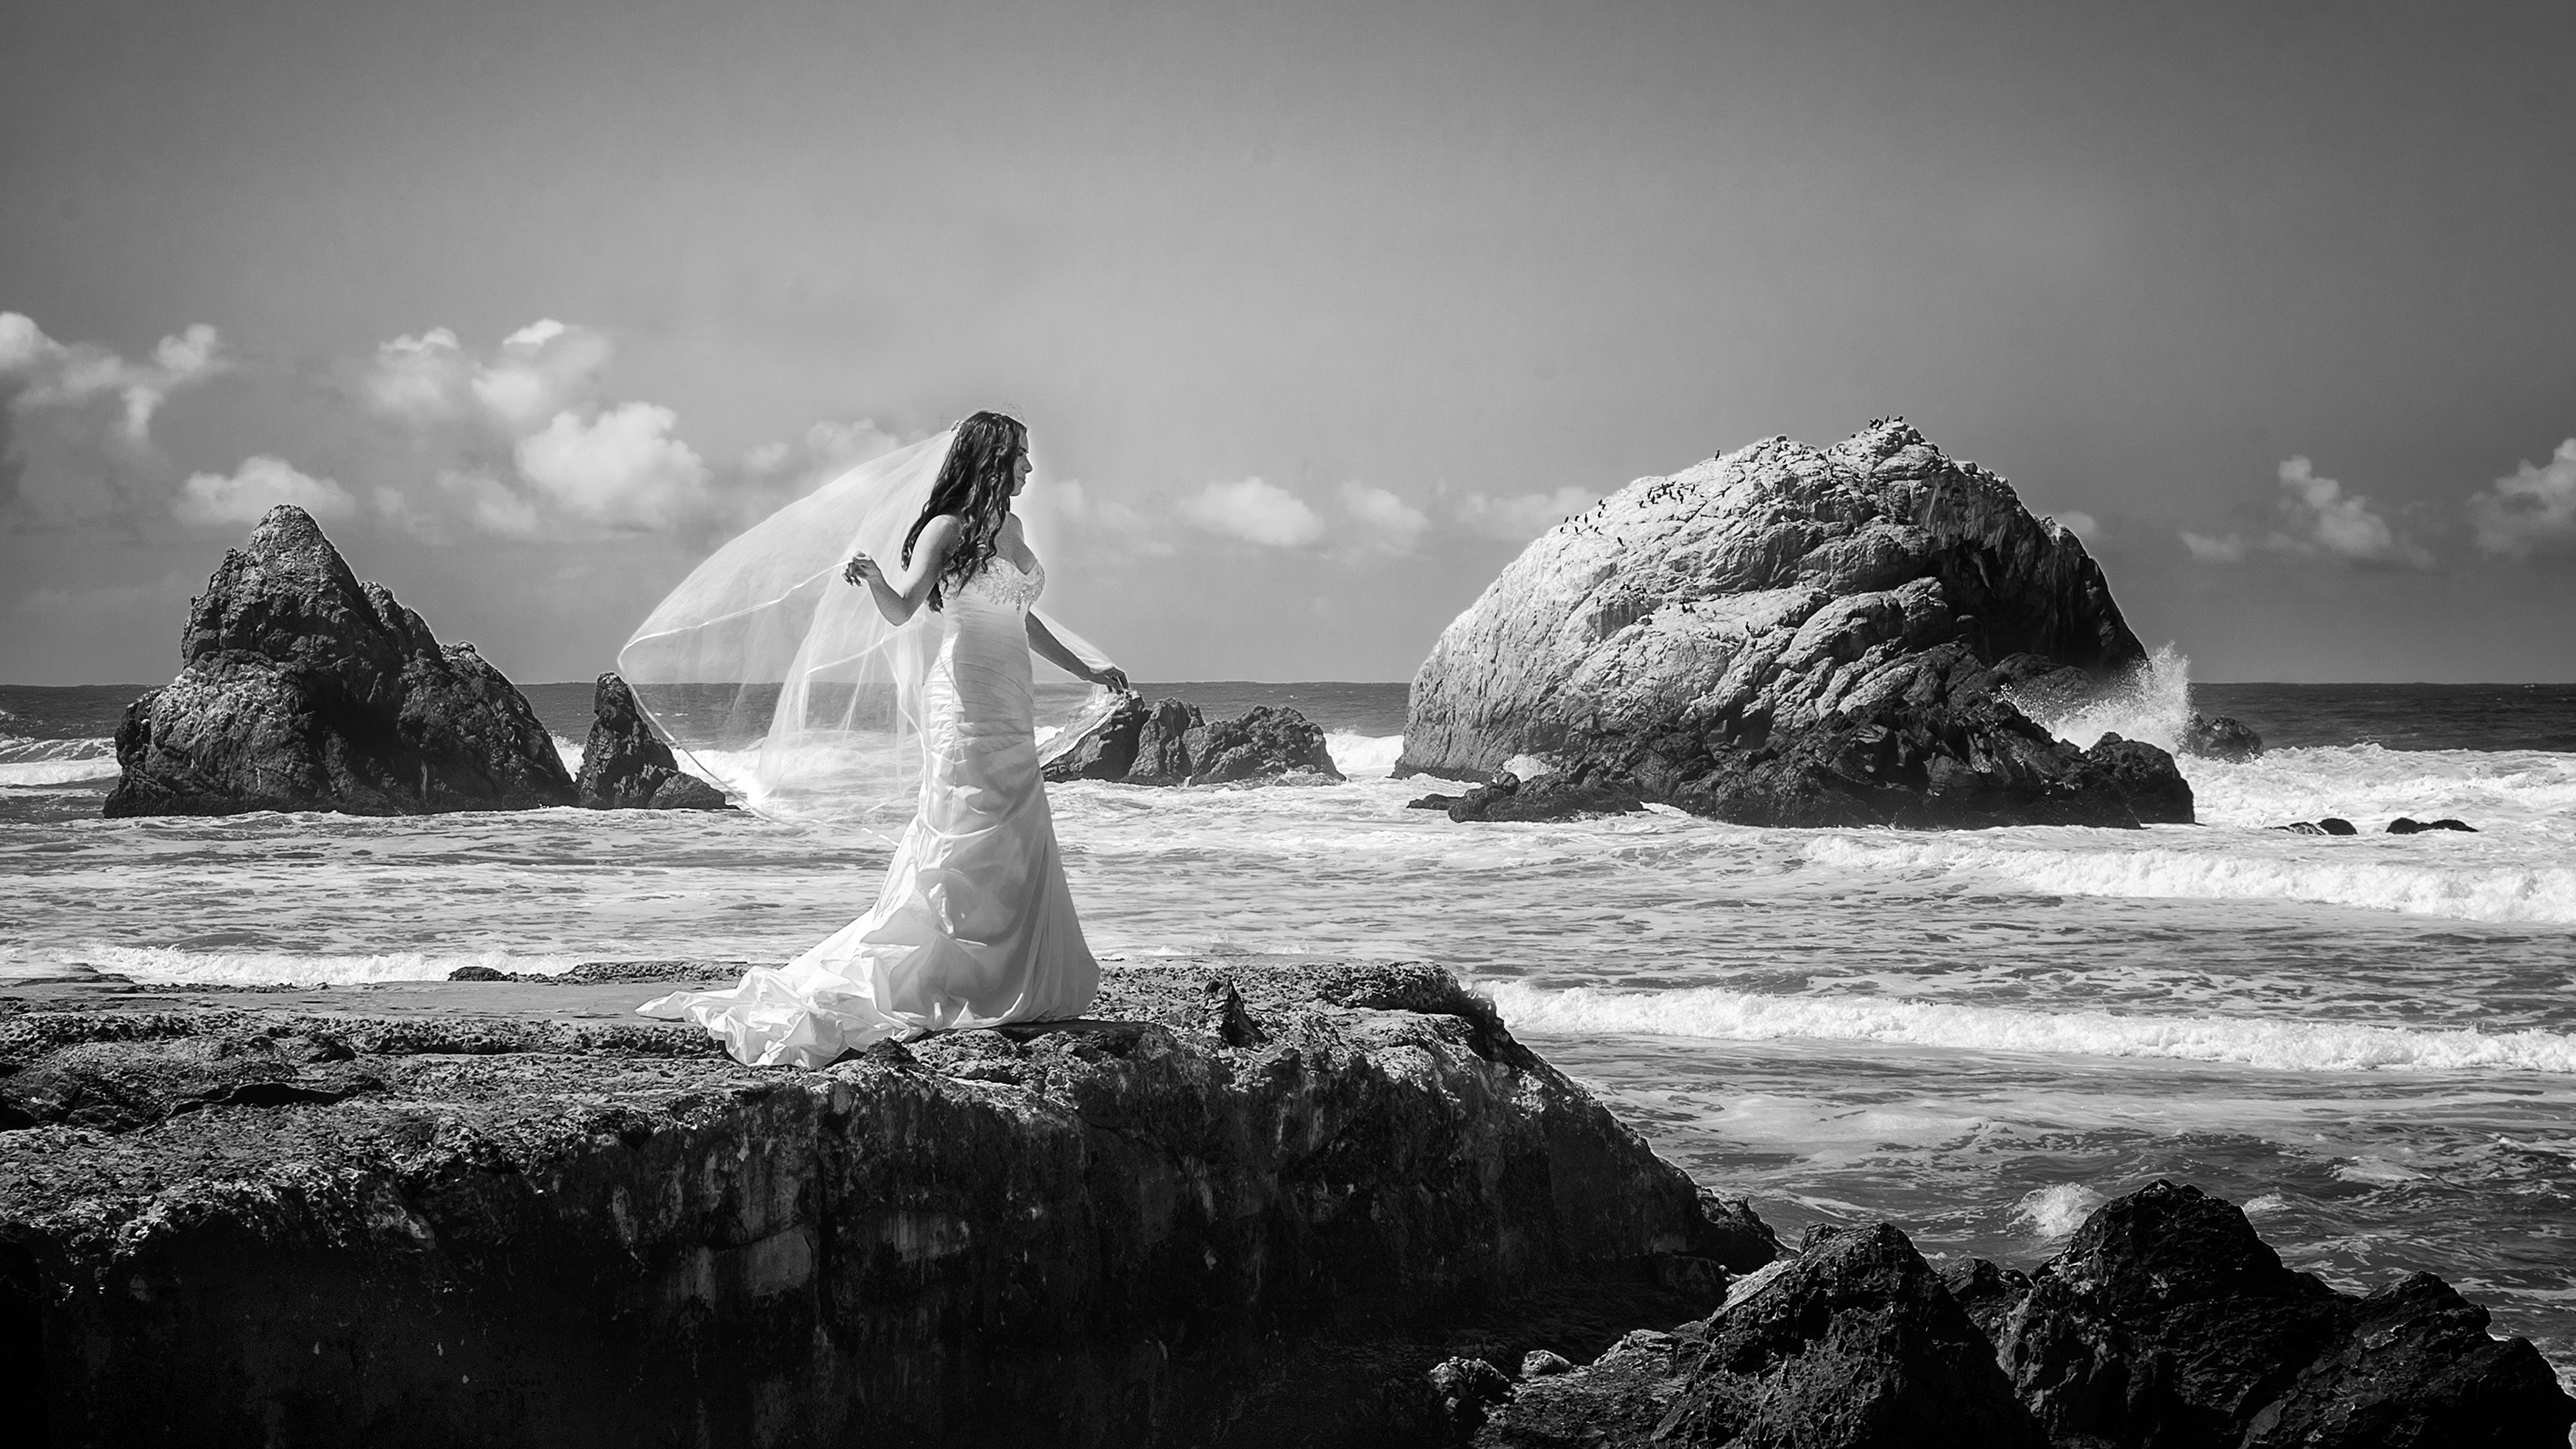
(1110, 677)
(863, 570)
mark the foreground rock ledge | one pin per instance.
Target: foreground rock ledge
(1252, 1200)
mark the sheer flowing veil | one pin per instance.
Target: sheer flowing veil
(764, 642)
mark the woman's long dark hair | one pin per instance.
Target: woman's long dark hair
(974, 484)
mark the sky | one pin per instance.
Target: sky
(1318, 312)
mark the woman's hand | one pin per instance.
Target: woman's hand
(1109, 677)
(863, 571)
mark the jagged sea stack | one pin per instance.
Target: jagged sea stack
(625, 766)
(1797, 636)
(303, 689)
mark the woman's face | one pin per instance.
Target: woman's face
(1019, 474)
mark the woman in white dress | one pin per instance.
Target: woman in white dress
(974, 925)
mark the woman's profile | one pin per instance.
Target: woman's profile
(975, 925)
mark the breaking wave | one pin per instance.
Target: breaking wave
(1720, 1013)
(55, 762)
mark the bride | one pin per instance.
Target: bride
(974, 925)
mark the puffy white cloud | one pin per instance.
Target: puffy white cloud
(1385, 521)
(1523, 517)
(1062, 514)
(2320, 518)
(621, 468)
(261, 483)
(491, 503)
(2532, 510)
(826, 450)
(1255, 511)
(40, 372)
(542, 369)
(2230, 549)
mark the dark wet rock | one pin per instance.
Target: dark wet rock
(2167, 1321)
(1951, 754)
(1246, 1200)
(625, 765)
(1538, 1363)
(2404, 826)
(1548, 797)
(303, 689)
(2219, 737)
(1794, 636)
(2330, 825)
(1986, 1291)
(1468, 1389)
(1171, 743)
(1854, 1342)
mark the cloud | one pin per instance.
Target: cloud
(491, 504)
(36, 371)
(2080, 523)
(2322, 519)
(261, 483)
(2230, 549)
(1524, 517)
(621, 468)
(1385, 522)
(543, 369)
(2531, 511)
(2318, 520)
(1254, 511)
(827, 450)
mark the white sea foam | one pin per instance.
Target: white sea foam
(1717, 1012)
(163, 965)
(2151, 703)
(1365, 757)
(2056, 1211)
(55, 762)
(571, 754)
(2459, 877)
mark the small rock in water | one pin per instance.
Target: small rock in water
(625, 766)
(2219, 738)
(2331, 825)
(2403, 826)
(1549, 797)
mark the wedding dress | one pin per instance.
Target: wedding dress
(974, 925)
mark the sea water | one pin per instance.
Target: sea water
(2368, 1041)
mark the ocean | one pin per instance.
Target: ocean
(2368, 1041)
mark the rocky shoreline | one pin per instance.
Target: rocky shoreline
(1251, 1202)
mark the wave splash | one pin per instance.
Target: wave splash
(2152, 702)
(2287, 1045)
(55, 762)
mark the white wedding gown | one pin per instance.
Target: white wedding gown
(975, 926)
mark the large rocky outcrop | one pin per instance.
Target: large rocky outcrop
(303, 689)
(1171, 743)
(625, 766)
(2165, 1324)
(1248, 1199)
(2167, 1321)
(1794, 636)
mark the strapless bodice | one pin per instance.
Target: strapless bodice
(1005, 585)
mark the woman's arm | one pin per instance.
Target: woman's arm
(1052, 650)
(897, 599)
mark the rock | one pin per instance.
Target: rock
(514, 1212)
(1960, 758)
(1170, 743)
(1788, 636)
(2330, 825)
(2222, 737)
(1987, 1292)
(1549, 797)
(1468, 1389)
(2168, 1321)
(625, 765)
(2403, 826)
(304, 689)
(1538, 1363)
(1854, 1342)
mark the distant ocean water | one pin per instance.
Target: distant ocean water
(2370, 1041)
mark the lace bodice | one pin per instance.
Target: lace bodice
(1003, 584)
